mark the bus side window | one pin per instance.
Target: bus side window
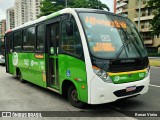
(24, 40)
(71, 43)
(29, 39)
(40, 41)
(17, 42)
(7, 43)
(10, 43)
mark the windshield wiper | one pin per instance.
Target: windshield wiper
(120, 50)
(127, 35)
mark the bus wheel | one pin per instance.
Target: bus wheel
(73, 97)
(20, 78)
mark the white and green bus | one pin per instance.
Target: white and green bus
(90, 56)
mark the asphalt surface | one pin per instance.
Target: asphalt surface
(16, 96)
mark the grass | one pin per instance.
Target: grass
(155, 62)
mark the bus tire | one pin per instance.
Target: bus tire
(21, 78)
(73, 97)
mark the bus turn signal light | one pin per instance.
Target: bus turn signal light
(83, 86)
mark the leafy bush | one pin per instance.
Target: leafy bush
(154, 54)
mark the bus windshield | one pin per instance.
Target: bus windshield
(111, 37)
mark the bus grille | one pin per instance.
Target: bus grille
(121, 93)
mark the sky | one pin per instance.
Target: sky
(109, 3)
(5, 4)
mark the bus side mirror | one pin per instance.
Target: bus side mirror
(69, 28)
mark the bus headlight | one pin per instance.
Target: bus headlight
(102, 74)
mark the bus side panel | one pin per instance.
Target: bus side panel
(10, 63)
(37, 66)
(73, 69)
(33, 69)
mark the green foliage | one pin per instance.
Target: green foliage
(49, 6)
(155, 22)
(154, 54)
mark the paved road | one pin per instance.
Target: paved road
(15, 96)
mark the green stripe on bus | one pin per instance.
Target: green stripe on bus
(125, 78)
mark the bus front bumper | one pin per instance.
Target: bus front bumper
(102, 92)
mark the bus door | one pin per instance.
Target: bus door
(8, 53)
(53, 41)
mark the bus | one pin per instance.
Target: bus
(90, 56)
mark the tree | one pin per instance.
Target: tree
(95, 4)
(49, 6)
(155, 22)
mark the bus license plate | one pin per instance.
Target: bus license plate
(129, 89)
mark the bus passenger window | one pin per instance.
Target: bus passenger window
(8, 43)
(17, 43)
(40, 38)
(29, 39)
(71, 44)
(24, 40)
